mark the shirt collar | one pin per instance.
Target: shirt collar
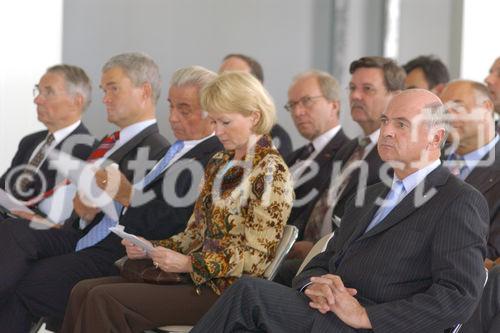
(62, 133)
(472, 159)
(321, 141)
(129, 132)
(411, 181)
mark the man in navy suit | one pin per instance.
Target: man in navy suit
(61, 97)
(409, 260)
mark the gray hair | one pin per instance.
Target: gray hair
(436, 116)
(192, 76)
(76, 81)
(140, 69)
(328, 85)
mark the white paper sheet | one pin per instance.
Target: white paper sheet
(119, 230)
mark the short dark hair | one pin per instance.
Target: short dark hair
(434, 69)
(255, 67)
(394, 75)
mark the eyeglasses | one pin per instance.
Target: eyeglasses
(306, 101)
(46, 93)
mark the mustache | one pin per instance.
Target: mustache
(357, 104)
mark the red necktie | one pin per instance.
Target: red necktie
(106, 144)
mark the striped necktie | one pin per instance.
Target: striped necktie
(35, 162)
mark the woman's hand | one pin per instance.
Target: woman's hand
(171, 261)
(134, 251)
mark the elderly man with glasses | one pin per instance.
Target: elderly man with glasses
(353, 164)
(61, 97)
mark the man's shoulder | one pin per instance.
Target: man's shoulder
(34, 137)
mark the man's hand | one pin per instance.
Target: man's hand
(328, 293)
(171, 261)
(83, 209)
(300, 250)
(115, 184)
(134, 251)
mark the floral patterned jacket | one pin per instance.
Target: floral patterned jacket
(239, 216)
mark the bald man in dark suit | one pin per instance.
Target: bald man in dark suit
(409, 260)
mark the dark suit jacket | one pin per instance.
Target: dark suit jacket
(159, 218)
(486, 179)
(26, 147)
(421, 268)
(320, 182)
(373, 162)
(150, 139)
(282, 140)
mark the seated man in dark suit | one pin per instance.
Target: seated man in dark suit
(61, 97)
(131, 83)
(355, 164)
(476, 160)
(493, 83)
(241, 62)
(409, 260)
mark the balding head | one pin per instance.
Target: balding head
(471, 111)
(412, 131)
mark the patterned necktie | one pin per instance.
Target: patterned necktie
(101, 229)
(456, 165)
(314, 226)
(35, 162)
(306, 152)
(391, 200)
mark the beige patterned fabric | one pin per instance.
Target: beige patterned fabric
(238, 218)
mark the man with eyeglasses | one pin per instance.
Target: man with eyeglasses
(61, 97)
(314, 105)
(374, 81)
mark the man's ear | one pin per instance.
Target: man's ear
(147, 91)
(438, 88)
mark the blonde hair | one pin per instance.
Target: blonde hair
(240, 92)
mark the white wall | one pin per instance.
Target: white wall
(480, 45)
(282, 35)
(31, 42)
(431, 27)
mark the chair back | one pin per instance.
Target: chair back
(290, 234)
(319, 246)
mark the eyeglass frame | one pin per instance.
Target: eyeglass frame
(46, 94)
(305, 101)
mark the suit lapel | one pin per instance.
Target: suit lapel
(204, 147)
(121, 152)
(407, 206)
(482, 178)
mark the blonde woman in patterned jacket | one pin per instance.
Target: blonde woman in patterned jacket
(235, 228)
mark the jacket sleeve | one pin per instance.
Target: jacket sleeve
(458, 250)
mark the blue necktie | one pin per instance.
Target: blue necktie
(101, 229)
(392, 199)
